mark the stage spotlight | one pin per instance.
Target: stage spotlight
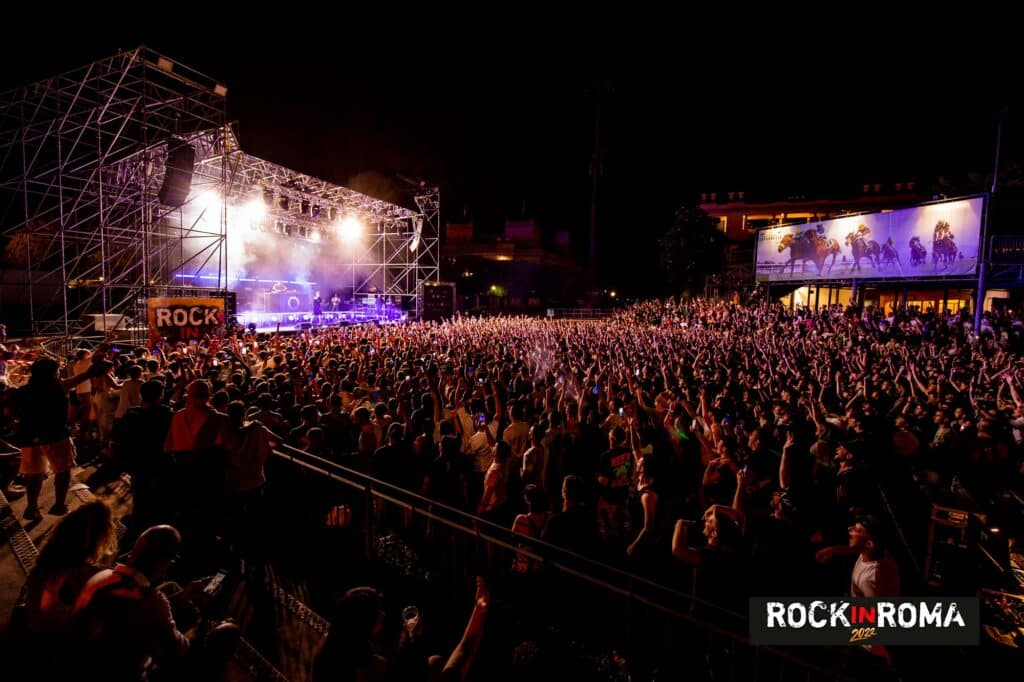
(315, 236)
(253, 212)
(210, 202)
(268, 197)
(350, 228)
(304, 207)
(316, 212)
(283, 203)
(417, 224)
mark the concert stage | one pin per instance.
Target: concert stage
(298, 321)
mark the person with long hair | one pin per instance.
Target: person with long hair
(530, 525)
(42, 406)
(70, 557)
(646, 548)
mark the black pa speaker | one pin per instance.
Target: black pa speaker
(181, 157)
(438, 300)
(230, 304)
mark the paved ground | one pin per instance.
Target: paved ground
(12, 573)
(291, 644)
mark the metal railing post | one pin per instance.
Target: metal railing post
(368, 521)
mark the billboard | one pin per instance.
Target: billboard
(934, 240)
(184, 319)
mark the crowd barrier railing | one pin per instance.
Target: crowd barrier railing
(683, 618)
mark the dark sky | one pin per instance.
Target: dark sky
(506, 123)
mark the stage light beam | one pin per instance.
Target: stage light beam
(350, 229)
(253, 212)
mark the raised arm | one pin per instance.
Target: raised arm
(681, 549)
(461, 659)
(649, 503)
(1013, 389)
(785, 475)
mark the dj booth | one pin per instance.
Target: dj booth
(292, 301)
(975, 545)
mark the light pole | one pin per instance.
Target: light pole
(983, 247)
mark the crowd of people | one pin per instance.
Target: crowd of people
(748, 443)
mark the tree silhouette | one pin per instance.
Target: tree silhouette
(690, 249)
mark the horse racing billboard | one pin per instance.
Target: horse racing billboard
(937, 240)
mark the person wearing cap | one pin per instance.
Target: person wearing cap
(875, 573)
(42, 406)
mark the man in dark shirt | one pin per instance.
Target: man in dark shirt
(572, 528)
(390, 461)
(140, 435)
(446, 479)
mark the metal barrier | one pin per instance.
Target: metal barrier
(580, 313)
(683, 620)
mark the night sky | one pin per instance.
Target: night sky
(505, 124)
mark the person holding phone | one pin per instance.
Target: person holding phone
(615, 474)
(479, 450)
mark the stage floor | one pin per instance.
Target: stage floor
(298, 321)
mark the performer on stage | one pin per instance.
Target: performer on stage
(335, 302)
(318, 308)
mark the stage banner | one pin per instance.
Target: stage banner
(938, 240)
(184, 319)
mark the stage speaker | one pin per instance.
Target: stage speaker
(181, 157)
(438, 300)
(230, 304)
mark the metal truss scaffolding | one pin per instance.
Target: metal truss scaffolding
(398, 251)
(85, 233)
(82, 160)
